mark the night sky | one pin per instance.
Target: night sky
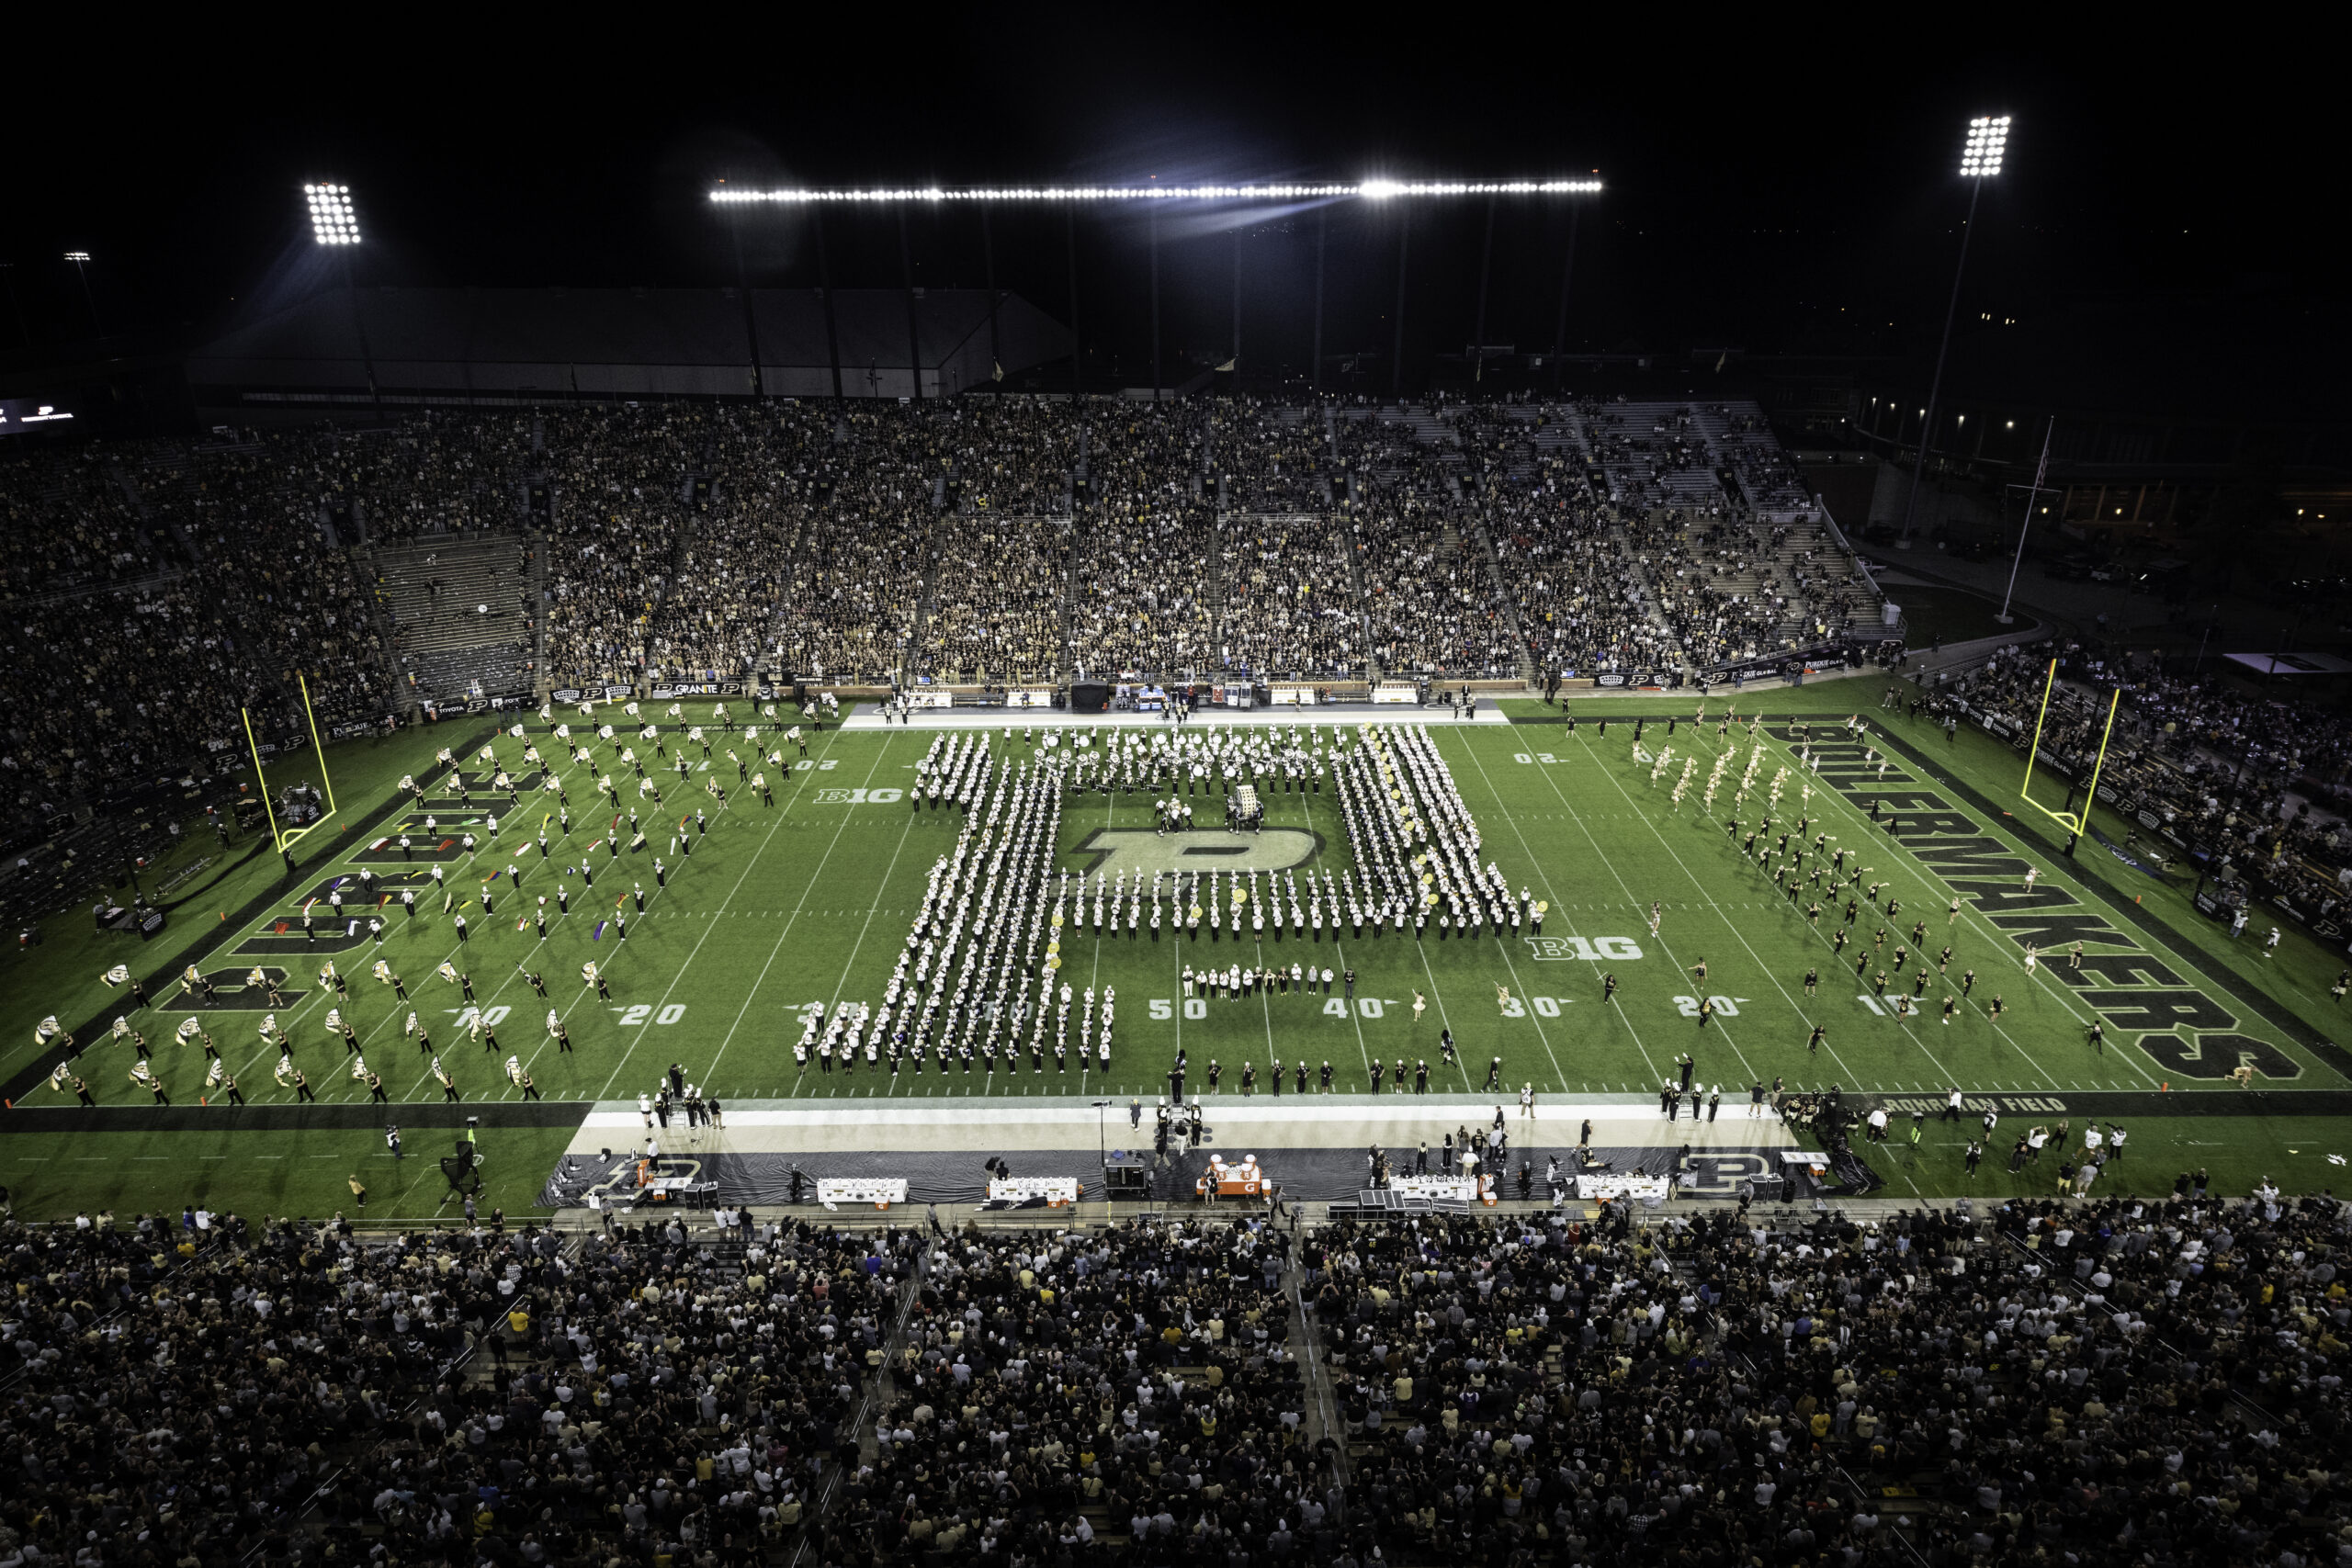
(1783, 191)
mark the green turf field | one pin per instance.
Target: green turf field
(809, 901)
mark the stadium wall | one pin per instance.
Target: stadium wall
(453, 347)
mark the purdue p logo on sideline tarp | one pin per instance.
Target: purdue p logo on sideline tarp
(1141, 851)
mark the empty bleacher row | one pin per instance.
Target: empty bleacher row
(462, 613)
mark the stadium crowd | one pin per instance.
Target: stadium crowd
(66, 522)
(1579, 603)
(1290, 606)
(1061, 1396)
(2115, 1382)
(2111, 1382)
(1429, 595)
(117, 689)
(205, 1390)
(704, 541)
(1141, 596)
(996, 612)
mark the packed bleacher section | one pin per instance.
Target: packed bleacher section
(1580, 598)
(2255, 792)
(1290, 604)
(1128, 1394)
(2087, 1382)
(1270, 458)
(67, 522)
(461, 555)
(1430, 592)
(857, 576)
(202, 1389)
(2079, 1384)
(996, 612)
(1143, 594)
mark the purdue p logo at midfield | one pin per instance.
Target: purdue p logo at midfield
(1135, 850)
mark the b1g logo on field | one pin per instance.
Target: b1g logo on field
(859, 797)
(1623, 949)
(1135, 850)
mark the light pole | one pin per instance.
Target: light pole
(334, 225)
(81, 266)
(1567, 272)
(2041, 470)
(1401, 193)
(1103, 1146)
(1988, 138)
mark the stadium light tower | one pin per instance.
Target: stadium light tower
(1980, 159)
(334, 225)
(332, 222)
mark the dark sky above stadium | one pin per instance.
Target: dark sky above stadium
(1780, 189)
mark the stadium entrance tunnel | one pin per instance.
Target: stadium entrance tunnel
(1142, 851)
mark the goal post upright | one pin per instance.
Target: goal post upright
(2025, 791)
(2090, 794)
(313, 719)
(261, 780)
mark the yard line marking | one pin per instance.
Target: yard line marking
(750, 862)
(1742, 939)
(712, 1070)
(1909, 865)
(1479, 762)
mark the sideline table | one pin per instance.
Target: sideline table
(1462, 1188)
(880, 1192)
(1600, 1189)
(1055, 1192)
(1241, 1180)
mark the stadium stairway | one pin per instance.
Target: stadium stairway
(536, 590)
(1510, 602)
(926, 597)
(1065, 662)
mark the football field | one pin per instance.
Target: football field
(763, 913)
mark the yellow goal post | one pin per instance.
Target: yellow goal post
(284, 839)
(2076, 822)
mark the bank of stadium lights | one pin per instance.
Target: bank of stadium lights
(332, 220)
(1988, 138)
(1367, 190)
(1980, 159)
